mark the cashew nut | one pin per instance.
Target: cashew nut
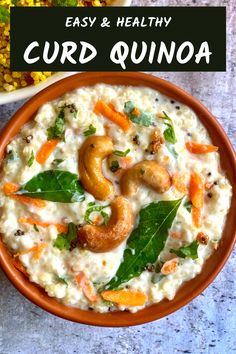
(91, 154)
(146, 172)
(105, 238)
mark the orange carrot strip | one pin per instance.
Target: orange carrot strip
(46, 150)
(196, 148)
(87, 286)
(10, 188)
(37, 250)
(19, 266)
(196, 215)
(125, 297)
(196, 190)
(27, 200)
(59, 227)
(126, 161)
(110, 113)
(178, 184)
(170, 267)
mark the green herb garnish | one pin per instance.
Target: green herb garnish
(91, 130)
(57, 162)
(187, 251)
(4, 15)
(114, 166)
(121, 153)
(188, 205)
(36, 228)
(64, 3)
(92, 207)
(57, 131)
(147, 241)
(137, 115)
(31, 159)
(61, 280)
(64, 241)
(169, 133)
(55, 186)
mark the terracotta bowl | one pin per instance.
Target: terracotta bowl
(212, 266)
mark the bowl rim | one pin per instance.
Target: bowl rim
(211, 267)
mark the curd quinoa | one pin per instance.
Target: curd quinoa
(112, 198)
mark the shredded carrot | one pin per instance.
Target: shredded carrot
(196, 215)
(178, 184)
(19, 266)
(136, 112)
(46, 150)
(126, 162)
(125, 297)
(110, 113)
(36, 250)
(170, 267)
(196, 148)
(10, 188)
(59, 227)
(87, 286)
(196, 190)
(176, 235)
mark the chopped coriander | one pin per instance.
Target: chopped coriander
(114, 166)
(137, 115)
(91, 130)
(169, 133)
(121, 153)
(36, 228)
(92, 207)
(57, 162)
(58, 129)
(31, 159)
(64, 241)
(187, 251)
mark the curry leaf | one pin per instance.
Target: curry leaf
(137, 115)
(4, 15)
(57, 131)
(188, 205)
(187, 251)
(147, 241)
(169, 133)
(55, 186)
(64, 241)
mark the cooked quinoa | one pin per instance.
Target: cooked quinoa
(10, 80)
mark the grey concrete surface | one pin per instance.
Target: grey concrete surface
(206, 326)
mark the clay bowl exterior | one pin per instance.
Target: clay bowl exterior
(211, 267)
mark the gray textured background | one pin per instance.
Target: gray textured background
(206, 325)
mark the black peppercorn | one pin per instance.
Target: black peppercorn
(172, 101)
(19, 233)
(209, 195)
(28, 139)
(177, 107)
